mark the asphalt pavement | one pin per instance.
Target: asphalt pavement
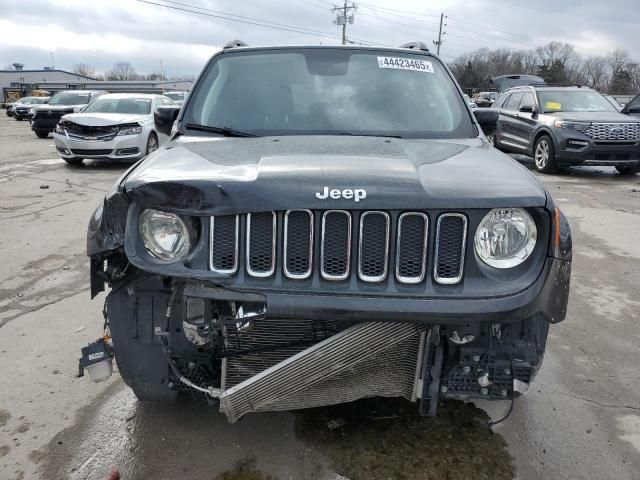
(580, 418)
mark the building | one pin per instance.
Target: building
(20, 82)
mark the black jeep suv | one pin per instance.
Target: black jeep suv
(564, 126)
(325, 224)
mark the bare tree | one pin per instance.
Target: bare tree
(84, 70)
(122, 71)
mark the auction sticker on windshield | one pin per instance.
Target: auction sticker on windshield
(405, 64)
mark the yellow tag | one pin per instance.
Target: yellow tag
(553, 106)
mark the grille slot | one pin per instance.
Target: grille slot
(224, 243)
(613, 131)
(261, 244)
(451, 238)
(335, 251)
(373, 246)
(411, 255)
(298, 243)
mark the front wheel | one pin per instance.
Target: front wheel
(42, 133)
(152, 143)
(628, 170)
(544, 155)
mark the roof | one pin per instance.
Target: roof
(46, 70)
(327, 47)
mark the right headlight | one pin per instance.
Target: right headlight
(505, 237)
(165, 235)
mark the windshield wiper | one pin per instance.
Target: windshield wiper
(226, 131)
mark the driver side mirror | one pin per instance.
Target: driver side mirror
(488, 119)
(164, 117)
(527, 109)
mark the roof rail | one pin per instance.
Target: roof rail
(235, 44)
(415, 46)
(560, 85)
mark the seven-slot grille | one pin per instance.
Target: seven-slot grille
(613, 131)
(334, 247)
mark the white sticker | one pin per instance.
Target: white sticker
(405, 64)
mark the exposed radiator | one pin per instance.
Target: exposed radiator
(367, 359)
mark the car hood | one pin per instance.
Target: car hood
(223, 175)
(104, 119)
(595, 117)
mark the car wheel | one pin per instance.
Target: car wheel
(74, 160)
(628, 170)
(18, 119)
(544, 155)
(42, 133)
(152, 143)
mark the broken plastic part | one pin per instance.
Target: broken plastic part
(520, 386)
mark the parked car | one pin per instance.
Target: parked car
(486, 99)
(9, 109)
(633, 107)
(470, 102)
(116, 126)
(177, 96)
(20, 109)
(565, 126)
(44, 118)
(309, 236)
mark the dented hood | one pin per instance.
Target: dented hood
(223, 175)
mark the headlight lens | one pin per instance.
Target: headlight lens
(130, 131)
(59, 129)
(505, 237)
(32, 111)
(580, 126)
(165, 235)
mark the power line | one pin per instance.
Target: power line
(370, 5)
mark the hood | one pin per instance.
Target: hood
(224, 175)
(56, 108)
(104, 119)
(595, 117)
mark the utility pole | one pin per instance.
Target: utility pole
(440, 33)
(343, 17)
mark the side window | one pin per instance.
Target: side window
(501, 100)
(528, 100)
(513, 102)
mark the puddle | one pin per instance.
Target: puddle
(378, 439)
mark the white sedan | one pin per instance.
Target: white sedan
(117, 126)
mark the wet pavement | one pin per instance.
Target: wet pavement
(580, 418)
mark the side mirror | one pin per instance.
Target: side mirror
(526, 109)
(488, 119)
(164, 117)
(45, 102)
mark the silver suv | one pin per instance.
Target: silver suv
(565, 126)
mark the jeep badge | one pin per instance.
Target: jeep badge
(348, 194)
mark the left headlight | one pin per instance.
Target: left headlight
(165, 235)
(130, 131)
(579, 126)
(505, 237)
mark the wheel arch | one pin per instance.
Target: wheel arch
(543, 131)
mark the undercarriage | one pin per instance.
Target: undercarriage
(173, 336)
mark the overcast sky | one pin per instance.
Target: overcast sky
(101, 32)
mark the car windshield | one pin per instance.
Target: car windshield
(573, 101)
(326, 91)
(131, 105)
(174, 95)
(69, 98)
(634, 105)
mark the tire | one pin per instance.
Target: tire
(18, 119)
(544, 155)
(42, 133)
(74, 160)
(152, 143)
(628, 170)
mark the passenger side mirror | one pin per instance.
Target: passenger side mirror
(164, 117)
(488, 119)
(527, 109)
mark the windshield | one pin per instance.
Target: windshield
(134, 106)
(69, 98)
(634, 105)
(573, 101)
(330, 92)
(174, 95)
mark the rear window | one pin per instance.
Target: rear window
(330, 91)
